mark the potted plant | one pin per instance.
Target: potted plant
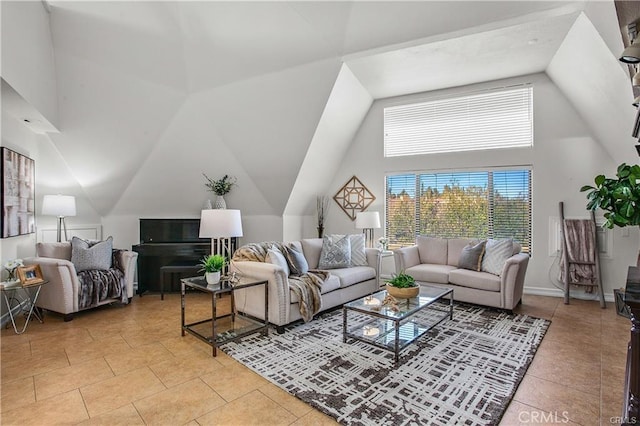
(220, 187)
(402, 286)
(619, 197)
(212, 265)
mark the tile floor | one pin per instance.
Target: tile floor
(129, 365)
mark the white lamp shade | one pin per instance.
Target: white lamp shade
(220, 223)
(367, 220)
(59, 205)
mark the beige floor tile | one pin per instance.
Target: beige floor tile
(96, 349)
(58, 341)
(186, 346)
(142, 337)
(286, 400)
(519, 414)
(182, 369)
(578, 407)
(179, 404)
(17, 393)
(66, 408)
(120, 390)
(234, 381)
(130, 359)
(315, 418)
(123, 416)
(254, 408)
(72, 377)
(32, 365)
(568, 364)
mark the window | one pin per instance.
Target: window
(488, 120)
(480, 204)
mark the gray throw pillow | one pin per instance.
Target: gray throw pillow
(336, 252)
(87, 256)
(358, 254)
(496, 254)
(471, 257)
(297, 263)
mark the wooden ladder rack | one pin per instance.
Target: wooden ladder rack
(567, 262)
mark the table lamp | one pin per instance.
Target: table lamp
(220, 225)
(60, 206)
(368, 221)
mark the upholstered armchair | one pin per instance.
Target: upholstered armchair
(64, 292)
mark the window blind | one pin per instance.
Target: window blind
(479, 204)
(489, 120)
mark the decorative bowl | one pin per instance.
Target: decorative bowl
(403, 293)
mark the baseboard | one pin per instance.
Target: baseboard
(555, 292)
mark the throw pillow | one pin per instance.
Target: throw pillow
(297, 263)
(275, 257)
(86, 255)
(358, 254)
(336, 252)
(471, 257)
(496, 254)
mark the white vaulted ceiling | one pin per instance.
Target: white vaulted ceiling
(152, 94)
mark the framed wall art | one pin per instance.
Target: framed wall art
(18, 194)
(353, 197)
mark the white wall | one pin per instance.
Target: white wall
(28, 63)
(564, 157)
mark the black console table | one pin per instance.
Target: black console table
(631, 410)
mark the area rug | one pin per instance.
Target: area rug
(464, 371)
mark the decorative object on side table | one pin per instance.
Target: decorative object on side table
(30, 275)
(11, 267)
(322, 206)
(220, 187)
(212, 265)
(402, 286)
(383, 243)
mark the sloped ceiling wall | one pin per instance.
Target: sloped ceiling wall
(152, 94)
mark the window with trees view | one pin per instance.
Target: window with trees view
(480, 204)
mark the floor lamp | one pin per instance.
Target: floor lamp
(368, 221)
(60, 206)
(221, 225)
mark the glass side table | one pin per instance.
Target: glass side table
(220, 329)
(10, 292)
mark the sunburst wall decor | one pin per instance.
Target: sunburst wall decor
(353, 197)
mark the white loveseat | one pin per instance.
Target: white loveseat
(61, 293)
(342, 285)
(434, 261)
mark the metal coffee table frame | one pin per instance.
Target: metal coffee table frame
(391, 330)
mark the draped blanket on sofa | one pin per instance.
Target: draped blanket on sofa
(306, 286)
(99, 285)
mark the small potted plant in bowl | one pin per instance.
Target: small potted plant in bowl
(402, 286)
(212, 265)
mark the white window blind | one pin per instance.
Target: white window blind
(480, 204)
(490, 120)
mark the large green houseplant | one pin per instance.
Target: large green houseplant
(619, 197)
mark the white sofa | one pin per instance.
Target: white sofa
(434, 261)
(60, 294)
(343, 285)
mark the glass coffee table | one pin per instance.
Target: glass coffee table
(395, 327)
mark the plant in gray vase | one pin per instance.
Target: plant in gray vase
(220, 187)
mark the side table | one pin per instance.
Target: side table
(10, 292)
(383, 254)
(221, 329)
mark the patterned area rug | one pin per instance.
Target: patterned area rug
(465, 371)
